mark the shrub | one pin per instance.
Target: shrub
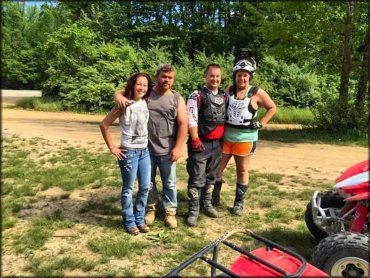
(336, 116)
(287, 84)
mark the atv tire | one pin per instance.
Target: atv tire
(328, 200)
(343, 255)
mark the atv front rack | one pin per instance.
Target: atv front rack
(247, 259)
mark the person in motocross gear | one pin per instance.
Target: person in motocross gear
(206, 117)
(241, 125)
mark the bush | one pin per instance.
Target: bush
(336, 116)
(287, 84)
(190, 74)
(40, 104)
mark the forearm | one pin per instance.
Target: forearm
(193, 132)
(181, 135)
(107, 136)
(268, 116)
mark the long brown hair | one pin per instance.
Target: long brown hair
(129, 90)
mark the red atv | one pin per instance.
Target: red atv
(340, 219)
(272, 260)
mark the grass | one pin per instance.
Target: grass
(40, 104)
(91, 240)
(46, 267)
(291, 115)
(315, 136)
(285, 115)
(119, 248)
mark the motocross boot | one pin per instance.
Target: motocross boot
(216, 193)
(240, 193)
(208, 209)
(194, 196)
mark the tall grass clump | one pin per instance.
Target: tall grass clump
(292, 115)
(40, 104)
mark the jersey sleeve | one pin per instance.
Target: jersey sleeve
(192, 109)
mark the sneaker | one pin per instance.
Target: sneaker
(143, 228)
(133, 231)
(150, 217)
(170, 221)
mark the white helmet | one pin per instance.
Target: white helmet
(248, 64)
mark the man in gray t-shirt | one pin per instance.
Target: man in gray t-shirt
(168, 127)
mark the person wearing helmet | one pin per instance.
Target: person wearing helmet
(241, 125)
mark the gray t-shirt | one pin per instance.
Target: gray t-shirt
(134, 125)
(162, 124)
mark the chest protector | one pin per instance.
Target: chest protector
(211, 111)
(239, 112)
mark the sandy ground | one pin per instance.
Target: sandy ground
(320, 161)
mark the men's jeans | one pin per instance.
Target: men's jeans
(136, 163)
(202, 166)
(167, 170)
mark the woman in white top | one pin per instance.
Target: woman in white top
(132, 154)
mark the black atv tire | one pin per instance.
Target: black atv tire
(343, 255)
(328, 200)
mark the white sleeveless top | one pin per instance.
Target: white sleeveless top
(134, 125)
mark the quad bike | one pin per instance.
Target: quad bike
(272, 260)
(340, 219)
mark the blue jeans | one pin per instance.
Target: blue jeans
(136, 163)
(167, 170)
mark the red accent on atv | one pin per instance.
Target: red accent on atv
(272, 260)
(340, 219)
(354, 170)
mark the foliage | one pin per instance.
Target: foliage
(80, 52)
(291, 115)
(288, 85)
(334, 115)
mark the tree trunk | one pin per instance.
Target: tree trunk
(363, 82)
(346, 55)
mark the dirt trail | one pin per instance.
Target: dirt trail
(319, 161)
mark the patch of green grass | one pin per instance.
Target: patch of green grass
(314, 136)
(46, 266)
(271, 177)
(165, 237)
(266, 202)
(40, 231)
(8, 222)
(292, 238)
(129, 272)
(33, 239)
(278, 215)
(292, 115)
(119, 248)
(40, 104)
(304, 195)
(181, 172)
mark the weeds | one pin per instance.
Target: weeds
(272, 210)
(119, 248)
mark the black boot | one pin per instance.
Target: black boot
(240, 193)
(207, 203)
(194, 196)
(216, 193)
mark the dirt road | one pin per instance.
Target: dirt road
(319, 161)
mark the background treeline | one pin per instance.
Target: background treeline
(309, 54)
